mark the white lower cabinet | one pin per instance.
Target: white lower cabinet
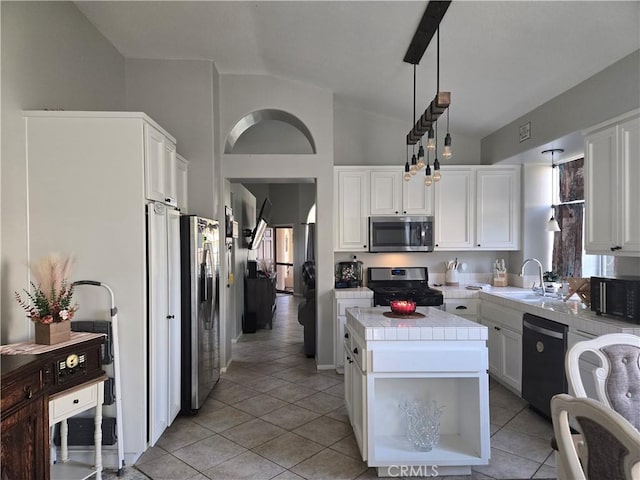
(340, 311)
(505, 343)
(382, 375)
(463, 307)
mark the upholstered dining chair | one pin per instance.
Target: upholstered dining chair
(617, 379)
(612, 444)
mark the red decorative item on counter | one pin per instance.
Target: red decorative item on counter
(403, 307)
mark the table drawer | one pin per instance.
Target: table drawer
(443, 358)
(71, 403)
(21, 390)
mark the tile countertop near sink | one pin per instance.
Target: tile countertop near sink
(361, 292)
(572, 312)
(371, 324)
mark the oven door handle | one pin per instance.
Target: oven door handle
(544, 331)
(603, 297)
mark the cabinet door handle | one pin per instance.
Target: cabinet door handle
(478, 244)
(169, 317)
(617, 247)
(28, 392)
(346, 335)
(497, 328)
(396, 212)
(76, 401)
(355, 351)
(461, 307)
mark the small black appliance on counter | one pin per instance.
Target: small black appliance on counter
(619, 297)
(349, 274)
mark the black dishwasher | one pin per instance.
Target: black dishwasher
(544, 345)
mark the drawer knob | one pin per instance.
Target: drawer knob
(76, 401)
(346, 335)
(355, 351)
(28, 392)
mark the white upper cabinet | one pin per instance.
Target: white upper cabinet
(612, 170)
(478, 207)
(182, 184)
(159, 166)
(455, 212)
(391, 195)
(351, 203)
(497, 208)
(386, 191)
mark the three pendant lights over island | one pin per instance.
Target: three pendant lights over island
(427, 123)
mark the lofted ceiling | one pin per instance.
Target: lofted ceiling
(499, 59)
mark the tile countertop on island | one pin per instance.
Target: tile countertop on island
(371, 324)
(572, 313)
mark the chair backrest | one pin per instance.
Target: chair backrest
(617, 380)
(612, 444)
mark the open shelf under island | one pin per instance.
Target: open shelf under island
(439, 357)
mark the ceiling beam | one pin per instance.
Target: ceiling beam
(426, 29)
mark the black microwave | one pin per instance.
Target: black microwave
(619, 297)
(401, 234)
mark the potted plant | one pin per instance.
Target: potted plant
(552, 281)
(48, 304)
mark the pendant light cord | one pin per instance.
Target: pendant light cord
(438, 62)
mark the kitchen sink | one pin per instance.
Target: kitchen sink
(533, 297)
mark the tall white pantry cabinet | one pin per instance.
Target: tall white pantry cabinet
(92, 180)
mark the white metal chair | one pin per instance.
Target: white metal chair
(612, 444)
(617, 379)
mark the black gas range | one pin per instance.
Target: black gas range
(402, 283)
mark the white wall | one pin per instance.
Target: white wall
(244, 208)
(609, 93)
(365, 138)
(178, 94)
(52, 57)
(242, 94)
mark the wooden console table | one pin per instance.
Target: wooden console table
(42, 385)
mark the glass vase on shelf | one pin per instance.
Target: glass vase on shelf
(422, 423)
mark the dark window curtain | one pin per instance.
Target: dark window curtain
(571, 179)
(567, 243)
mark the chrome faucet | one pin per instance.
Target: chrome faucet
(534, 288)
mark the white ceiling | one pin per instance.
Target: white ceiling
(499, 59)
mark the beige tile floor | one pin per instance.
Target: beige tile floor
(273, 416)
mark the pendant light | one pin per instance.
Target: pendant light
(436, 163)
(414, 161)
(428, 180)
(446, 153)
(407, 169)
(552, 224)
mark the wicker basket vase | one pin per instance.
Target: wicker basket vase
(52, 333)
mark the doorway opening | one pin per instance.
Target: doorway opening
(284, 259)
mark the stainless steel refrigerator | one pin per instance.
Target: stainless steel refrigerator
(199, 242)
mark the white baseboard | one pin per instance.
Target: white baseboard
(325, 367)
(237, 339)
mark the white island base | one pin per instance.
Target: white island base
(441, 358)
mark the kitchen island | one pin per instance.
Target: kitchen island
(437, 357)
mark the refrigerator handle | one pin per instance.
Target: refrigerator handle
(204, 285)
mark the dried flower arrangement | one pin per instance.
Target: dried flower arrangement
(50, 301)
